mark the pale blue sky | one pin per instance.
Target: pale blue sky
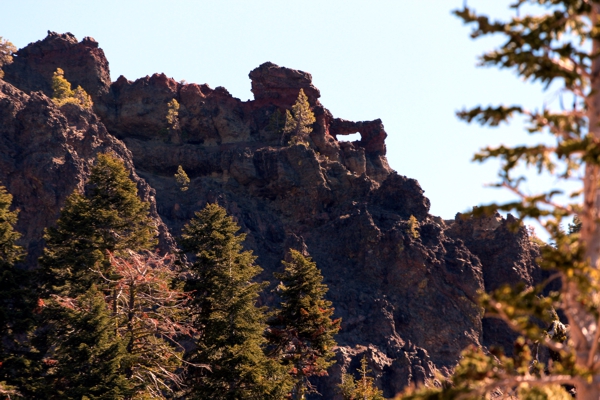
(410, 63)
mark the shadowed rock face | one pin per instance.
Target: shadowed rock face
(507, 256)
(406, 293)
(46, 153)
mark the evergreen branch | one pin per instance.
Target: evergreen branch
(501, 314)
(491, 116)
(511, 382)
(568, 210)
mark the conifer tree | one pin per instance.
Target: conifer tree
(298, 122)
(6, 51)
(86, 356)
(182, 179)
(151, 316)
(302, 331)
(12, 279)
(555, 43)
(16, 296)
(109, 217)
(63, 94)
(173, 114)
(229, 322)
(10, 252)
(361, 389)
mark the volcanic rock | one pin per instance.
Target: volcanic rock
(507, 255)
(84, 64)
(46, 153)
(405, 288)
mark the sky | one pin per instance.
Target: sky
(410, 63)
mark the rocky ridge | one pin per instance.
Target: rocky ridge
(406, 293)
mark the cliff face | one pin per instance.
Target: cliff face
(46, 153)
(406, 293)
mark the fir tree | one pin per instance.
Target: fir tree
(230, 323)
(173, 114)
(182, 179)
(555, 43)
(110, 217)
(86, 355)
(16, 297)
(13, 280)
(361, 389)
(6, 51)
(302, 332)
(62, 93)
(10, 252)
(298, 122)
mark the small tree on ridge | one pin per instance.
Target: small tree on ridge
(298, 122)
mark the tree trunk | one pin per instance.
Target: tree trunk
(588, 391)
(590, 230)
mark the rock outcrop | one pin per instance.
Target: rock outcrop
(33, 66)
(507, 255)
(46, 153)
(406, 291)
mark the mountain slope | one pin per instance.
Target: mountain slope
(406, 291)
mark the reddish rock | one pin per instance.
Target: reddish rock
(280, 86)
(46, 153)
(406, 292)
(372, 134)
(142, 105)
(84, 64)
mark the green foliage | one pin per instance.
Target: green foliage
(413, 227)
(86, 355)
(173, 114)
(298, 122)
(479, 373)
(182, 179)
(301, 333)
(361, 389)
(63, 93)
(110, 217)
(225, 314)
(575, 227)
(555, 42)
(6, 51)
(6, 390)
(16, 297)
(10, 252)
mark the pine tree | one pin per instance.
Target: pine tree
(229, 322)
(173, 114)
(302, 332)
(10, 252)
(86, 356)
(6, 51)
(298, 122)
(13, 280)
(62, 93)
(182, 179)
(363, 389)
(16, 297)
(110, 217)
(555, 43)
